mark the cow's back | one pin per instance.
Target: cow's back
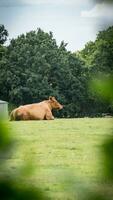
(36, 111)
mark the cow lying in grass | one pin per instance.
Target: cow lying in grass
(36, 111)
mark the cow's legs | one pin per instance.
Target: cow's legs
(49, 116)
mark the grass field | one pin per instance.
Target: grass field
(65, 153)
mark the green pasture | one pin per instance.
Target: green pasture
(65, 154)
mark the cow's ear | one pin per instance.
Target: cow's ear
(50, 98)
(53, 98)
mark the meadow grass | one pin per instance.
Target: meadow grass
(65, 153)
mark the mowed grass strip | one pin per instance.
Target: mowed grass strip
(62, 151)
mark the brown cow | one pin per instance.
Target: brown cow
(36, 111)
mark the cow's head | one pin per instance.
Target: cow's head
(54, 103)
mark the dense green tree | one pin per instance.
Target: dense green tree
(3, 38)
(3, 34)
(35, 67)
(98, 57)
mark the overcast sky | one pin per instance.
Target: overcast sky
(74, 21)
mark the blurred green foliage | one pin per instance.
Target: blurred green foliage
(108, 159)
(12, 188)
(103, 86)
(5, 139)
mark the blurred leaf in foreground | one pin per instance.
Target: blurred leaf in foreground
(103, 86)
(11, 186)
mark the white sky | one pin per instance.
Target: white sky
(74, 21)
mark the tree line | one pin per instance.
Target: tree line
(33, 67)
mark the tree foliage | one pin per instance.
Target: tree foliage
(98, 57)
(3, 38)
(3, 34)
(33, 67)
